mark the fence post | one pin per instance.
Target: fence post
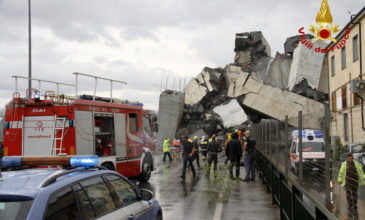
(287, 146)
(300, 146)
(276, 152)
(264, 138)
(270, 141)
(328, 176)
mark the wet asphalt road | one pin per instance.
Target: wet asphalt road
(207, 197)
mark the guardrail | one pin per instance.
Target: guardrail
(288, 194)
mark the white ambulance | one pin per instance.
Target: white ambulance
(313, 150)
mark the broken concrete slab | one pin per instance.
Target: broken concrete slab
(277, 103)
(236, 88)
(171, 107)
(211, 78)
(252, 39)
(194, 92)
(307, 64)
(292, 42)
(278, 72)
(231, 114)
(242, 57)
(231, 74)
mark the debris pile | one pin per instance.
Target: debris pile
(256, 86)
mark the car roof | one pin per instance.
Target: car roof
(28, 182)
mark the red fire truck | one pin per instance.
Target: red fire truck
(49, 124)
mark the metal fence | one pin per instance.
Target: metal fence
(307, 188)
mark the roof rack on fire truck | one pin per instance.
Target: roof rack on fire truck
(56, 97)
(95, 85)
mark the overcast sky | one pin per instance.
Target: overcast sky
(141, 42)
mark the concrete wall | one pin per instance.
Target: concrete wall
(306, 64)
(169, 116)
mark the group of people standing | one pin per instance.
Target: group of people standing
(237, 146)
(210, 147)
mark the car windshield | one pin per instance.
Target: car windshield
(14, 210)
(313, 146)
(358, 148)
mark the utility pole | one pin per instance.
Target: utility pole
(30, 51)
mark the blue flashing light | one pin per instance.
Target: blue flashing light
(11, 161)
(7, 124)
(37, 97)
(84, 161)
(70, 123)
(318, 134)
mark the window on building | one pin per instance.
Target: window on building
(343, 57)
(333, 66)
(355, 48)
(133, 123)
(356, 99)
(344, 96)
(346, 127)
(333, 101)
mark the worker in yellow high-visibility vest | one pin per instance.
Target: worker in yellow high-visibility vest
(204, 146)
(166, 149)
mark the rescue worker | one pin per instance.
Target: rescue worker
(213, 137)
(196, 154)
(204, 146)
(351, 176)
(99, 148)
(188, 153)
(229, 135)
(166, 149)
(234, 155)
(249, 149)
(213, 150)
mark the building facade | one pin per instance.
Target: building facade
(345, 61)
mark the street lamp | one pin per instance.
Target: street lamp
(30, 51)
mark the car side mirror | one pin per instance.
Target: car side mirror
(146, 194)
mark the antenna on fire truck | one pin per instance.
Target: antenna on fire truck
(96, 81)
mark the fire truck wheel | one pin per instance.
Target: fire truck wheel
(146, 172)
(109, 166)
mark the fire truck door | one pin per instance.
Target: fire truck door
(84, 133)
(37, 135)
(120, 135)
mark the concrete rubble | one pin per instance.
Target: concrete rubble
(231, 114)
(255, 87)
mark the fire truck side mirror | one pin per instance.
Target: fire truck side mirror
(70, 123)
(155, 127)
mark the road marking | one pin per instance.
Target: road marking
(218, 211)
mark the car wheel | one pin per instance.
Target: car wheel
(146, 172)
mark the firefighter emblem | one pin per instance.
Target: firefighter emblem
(325, 29)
